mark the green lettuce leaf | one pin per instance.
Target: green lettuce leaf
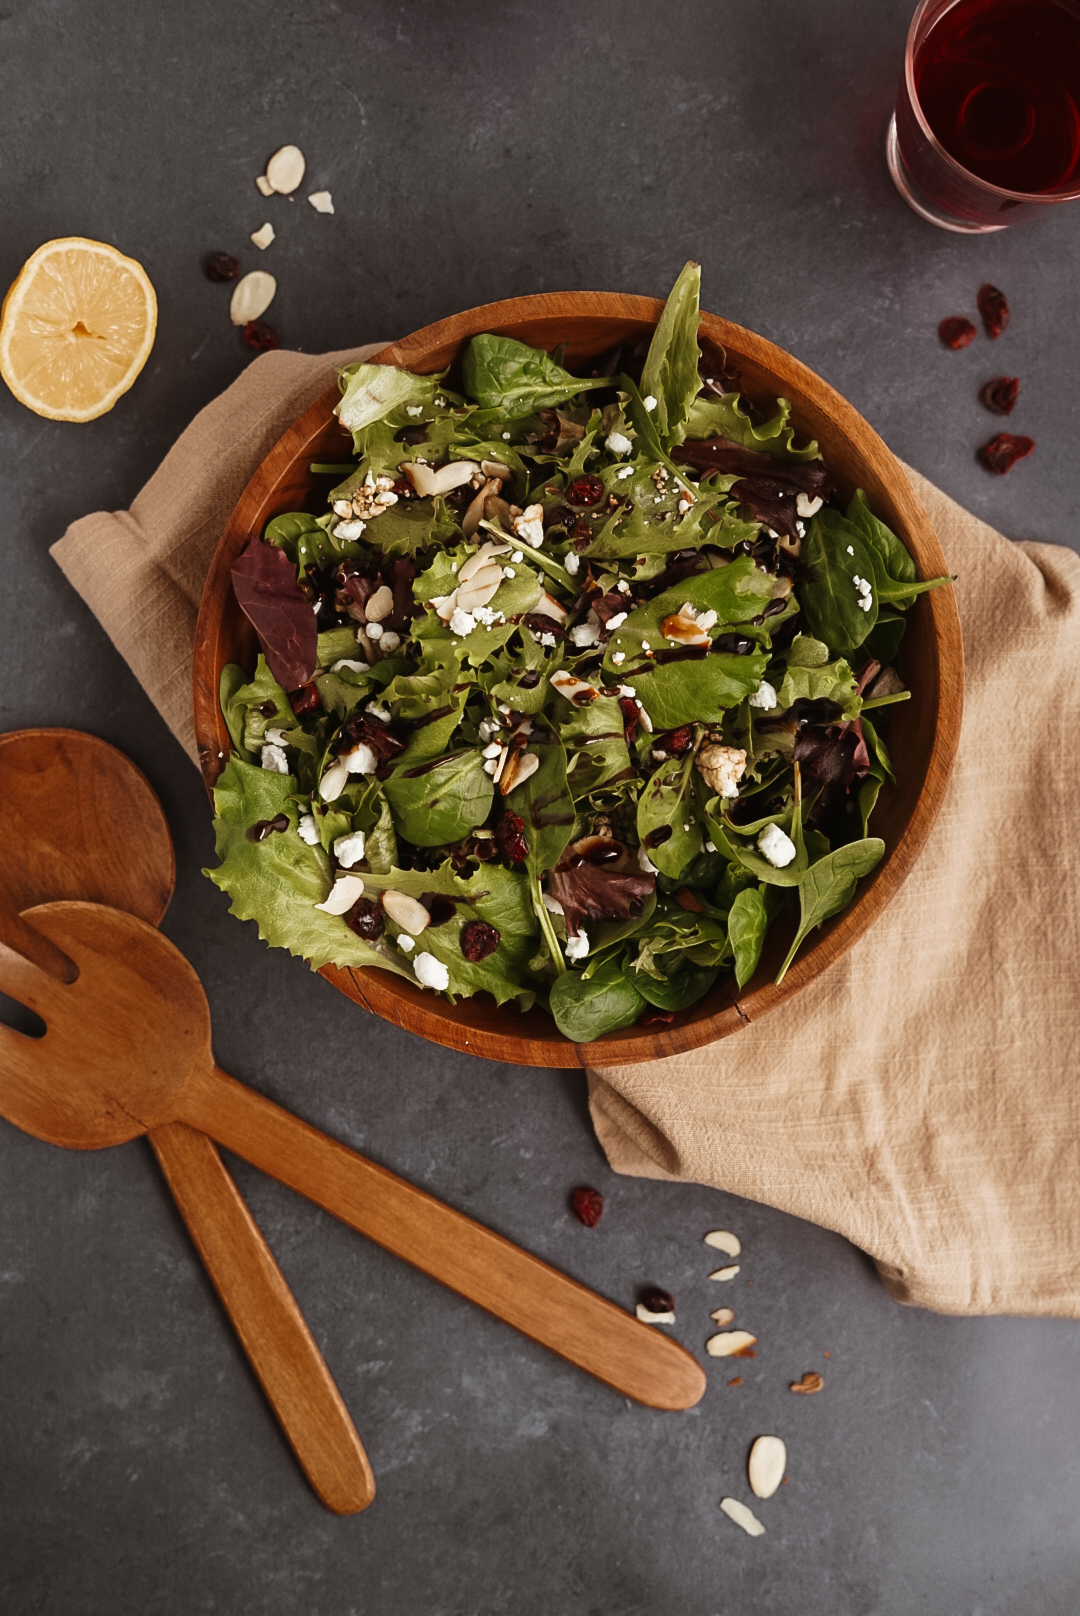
(501, 373)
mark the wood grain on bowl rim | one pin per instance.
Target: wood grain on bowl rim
(924, 734)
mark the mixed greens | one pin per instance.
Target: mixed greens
(566, 696)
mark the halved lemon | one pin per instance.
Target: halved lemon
(76, 328)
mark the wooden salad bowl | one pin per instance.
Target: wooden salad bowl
(923, 735)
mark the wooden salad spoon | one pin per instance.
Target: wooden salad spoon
(127, 1049)
(78, 820)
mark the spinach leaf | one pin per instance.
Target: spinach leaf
(677, 693)
(835, 554)
(806, 652)
(309, 541)
(670, 375)
(667, 822)
(895, 566)
(544, 803)
(829, 886)
(683, 986)
(883, 641)
(436, 806)
(834, 681)
(501, 373)
(747, 923)
(585, 1010)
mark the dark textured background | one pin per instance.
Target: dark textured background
(476, 151)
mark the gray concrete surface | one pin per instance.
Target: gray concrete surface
(474, 152)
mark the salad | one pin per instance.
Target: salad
(575, 685)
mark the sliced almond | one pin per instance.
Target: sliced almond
(578, 691)
(408, 913)
(810, 1383)
(742, 1516)
(722, 1316)
(334, 780)
(427, 481)
(480, 589)
(766, 1466)
(725, 1273)
(264, 185)
(730, 1344)
(724, 1241)
(285, 169)
(380, 605)
(527, 765)
(322, 201)
(252, 296)
(343, 894)
(483, 556)
(262, 238)
(550, 607)
(646, 1317)
(476, 511)
(495, 468)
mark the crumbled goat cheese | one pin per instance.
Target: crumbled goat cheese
(462, 622)
(618, 443)
(571, 561)
(649, 402)
(308, 830)
(543, 639)
(627, 471)
(381, 713)
(865, 592)
(586, 633)
(851, 549)
(430, 972)
(414, 409)
(764, 697)
(273, 758)
(577, 947)
(349, 850)
(361, 760)
(617, 621)
(775, 845)
(519, 555)
(722, 767)
(805, 506)
(406, 943)
(274, 737)
(530, 525)
(710, 847)
(552, 905)
(619, 658)
(349, 530)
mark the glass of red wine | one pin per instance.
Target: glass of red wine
(987, 124)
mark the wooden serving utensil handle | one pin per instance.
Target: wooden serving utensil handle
(264, 1313)
(544, 1304)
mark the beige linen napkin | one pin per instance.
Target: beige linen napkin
(921, 1096)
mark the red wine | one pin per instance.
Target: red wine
(999, 84)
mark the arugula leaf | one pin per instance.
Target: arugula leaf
(435, 805)
(670, 374)
(371, 391)
(588, 1009)
(667, 804)
(829, 886)
(747, 924)
(722, 418)
(502, 373)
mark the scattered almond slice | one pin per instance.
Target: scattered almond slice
(343, 894)
(252, 296)
(264, 185)
(653, 1318)
(730, 1344)
(722, 1316)
(810, 1383)
(766, 1466)
(262, 238)
(407, 913)
(725, 1273)
(322, 201)
(742, 1516)
(724, 1241)
(527, 765)
(285, 169)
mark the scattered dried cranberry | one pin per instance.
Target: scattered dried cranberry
(585, 491)
(1001, 394)
(994, 309)
(478, 940)
(366, 919)
(510, 835)
(956, 332)
(260, 336)
(656, 1018)
(588, 1206)
(631, 713)
(679, 741)
(582, 530)
(657, 1301)
(1001, 453)
(221, 266)
(305, 700)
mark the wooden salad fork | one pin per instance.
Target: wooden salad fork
(78, 820)
(127, 1049)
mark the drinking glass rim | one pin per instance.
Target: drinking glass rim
(1045, 197)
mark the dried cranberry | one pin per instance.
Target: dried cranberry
(510, 835)
(585, 491)
(956, 332)
(366, 919)
(1001, 453)
(679, 742)
(631, 717)
(478, 940)
(656, 1300)
(994, 309)
(221, 266)
(559, 516)
(656, 1018)
(1001, 394)
(588, 1206)
(260, 336)
(305, 700)
(403, 488)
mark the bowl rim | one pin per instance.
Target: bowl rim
(433, 1018)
